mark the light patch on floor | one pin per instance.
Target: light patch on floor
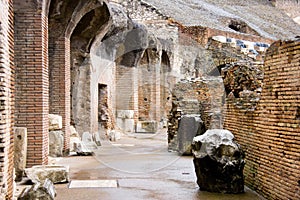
(123, 145)
(93, 183)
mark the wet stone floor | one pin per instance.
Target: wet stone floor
(136, 167)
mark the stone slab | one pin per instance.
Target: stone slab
(93, 184)
(56, 143)
(20, 151)
(125, 114)
(125, 125)
(55, 173)
(146, 126)
(189, 127)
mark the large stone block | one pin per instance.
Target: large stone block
(56, 143)
(146, 127)
(189, 127)
(219, 162)
(55, 122)
(125, 114)
(20, 151)
(125, 125)
(55, 173)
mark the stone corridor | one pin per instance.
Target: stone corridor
(143, 169)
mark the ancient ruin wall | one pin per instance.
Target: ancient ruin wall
(6, 99)
(270, 135)
(32, 80)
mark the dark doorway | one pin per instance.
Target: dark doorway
(103, 112)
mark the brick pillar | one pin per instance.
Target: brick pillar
(32, 81)
(59, 56)
(6, 99)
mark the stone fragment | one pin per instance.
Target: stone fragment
(125, 114)
(146, 126)
(219, 162)
(114, 135)
(189, 127)
(40, 191)
(55, 122)
(73, 131)
(89, 141)
(56, 143)
(20, 151)
(55, 173)
(126, 125)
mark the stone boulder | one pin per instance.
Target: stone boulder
(55, 122)
(42, 191)
(55, 173)
(219, 162)
(56, 143)
(189, 127)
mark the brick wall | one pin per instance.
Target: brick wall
(59, 55)
(6, 99)
(203, 97)
(270, 135)
(32, 84)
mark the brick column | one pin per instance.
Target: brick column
(32, 81)
(59, 56)
(6, 99)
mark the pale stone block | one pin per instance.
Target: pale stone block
(56, 143)
(125, 114)
(20, 151)
(73, 131)
(55, 173)
(146, 127)
(125, 125)
(55, 122)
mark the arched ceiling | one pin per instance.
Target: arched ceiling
(78, 20)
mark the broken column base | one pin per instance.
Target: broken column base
(55, 173)
(45, 191)
(219, 162)
(219, 178)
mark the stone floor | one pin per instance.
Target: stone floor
(136, 167)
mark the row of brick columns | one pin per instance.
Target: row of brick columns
(32, 80)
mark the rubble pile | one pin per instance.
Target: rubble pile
(243, 83)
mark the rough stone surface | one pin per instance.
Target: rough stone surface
(40, 191)
(219, 162)
(146, 126)
(55, 173)
(114, 135)
(56, 143)
(20, 151)
(189, 127)
(55, 122)
(89, 141)
(126, 125)
(74, 132)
